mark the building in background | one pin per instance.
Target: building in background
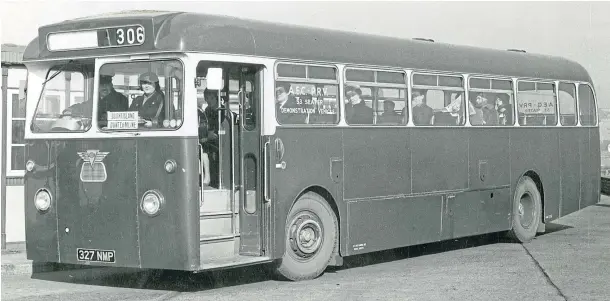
(12, 155)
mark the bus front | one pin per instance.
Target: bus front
(111, 163)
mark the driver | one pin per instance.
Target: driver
(110, 99)
(150, 106)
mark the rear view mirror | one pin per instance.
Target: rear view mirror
(22, 90)
(214, 79)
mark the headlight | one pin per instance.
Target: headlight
(152, 202)
(42, 200)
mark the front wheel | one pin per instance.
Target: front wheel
(311, 238)
(527, 211)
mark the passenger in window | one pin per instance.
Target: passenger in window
(150, 106)
(109, 99)
(505, 109)
(422, 113)
(286, 108)
(356, 111)
(482, 113)
(389, 114)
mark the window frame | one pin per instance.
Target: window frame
(127, 86)
(10, 91)
(307, 80)
(537, 81)
(492, 90)
(376, 84)
(462, 89)
(594, 104)
(42, 103)
(576, 107)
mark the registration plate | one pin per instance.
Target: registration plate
(95, 255)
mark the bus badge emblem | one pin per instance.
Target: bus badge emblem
(93, 169)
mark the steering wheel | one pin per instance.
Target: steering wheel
(69, 122)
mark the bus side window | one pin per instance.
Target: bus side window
(586, 104)
(567, 103)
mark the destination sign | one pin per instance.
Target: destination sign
(119, 36)
(123, 120)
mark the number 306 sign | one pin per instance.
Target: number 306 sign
(129, 35)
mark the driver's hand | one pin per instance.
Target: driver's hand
(212, 136)
(148, 123)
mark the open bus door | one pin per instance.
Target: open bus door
(240, 149)
(251, 161)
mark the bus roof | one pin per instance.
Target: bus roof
(194, 32)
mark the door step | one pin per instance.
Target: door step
(208, 264)
(217, 246)
(218, 200)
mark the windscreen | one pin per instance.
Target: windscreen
(65, 103)
(140, 96)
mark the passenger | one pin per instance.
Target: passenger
(286, 108)
(389, 115)
(208, 135)
(203, 136)
(356, 111)
(150, 106)
(483, 112)
(422, 113)
(504, 108)
(109, 99)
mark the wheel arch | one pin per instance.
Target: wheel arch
(331, 200)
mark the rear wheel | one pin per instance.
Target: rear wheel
(311, 238)
(527, 211)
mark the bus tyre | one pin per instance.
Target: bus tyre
(527, 210)
(311, 238)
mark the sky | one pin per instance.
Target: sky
(579, 31)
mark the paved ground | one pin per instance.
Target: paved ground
(570, 262)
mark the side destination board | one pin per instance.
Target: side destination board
(117, 36)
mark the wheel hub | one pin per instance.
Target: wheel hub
(526, 210)
(305, 235)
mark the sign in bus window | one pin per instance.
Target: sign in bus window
(536, 104)
(306, 103)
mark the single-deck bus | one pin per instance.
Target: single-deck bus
(171, 140)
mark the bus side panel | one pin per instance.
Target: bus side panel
(439, 159)
(536, 149)
(40, 228)
(389, 223)
(589, 166)
(489, 158)
(595, 166)
(377, 162)
(169, 240)
(489, 182)
(569, 168)
(307, 157)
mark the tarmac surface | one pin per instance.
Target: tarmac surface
(571, 261)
